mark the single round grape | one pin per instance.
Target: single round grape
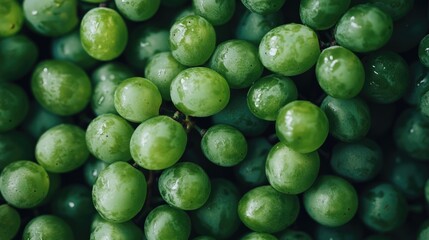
(11, 221)
(13, 106)
(185, 186)
(302, 126)
(322, 14)
(62, 148)
(331, 201)
(192, 40)
(24, 184)
(215, 11)
(15, 145)
(108, 138)
(102, 229)
(158, 143)
(199, 92)
(167, 222)
(47, 227)
(289, 49)
(291, 172)
(103, 33)
(263, 7)
(268, 94)
(349, 119)
(137, 99)
(340, 72)
(290, 234)
(264, 209)
(423, 51)
(395, 8)
(61, 87)
(119, 192)
(258, 236)
(138, 10)
(363, 28)
(11, 18)
(92, 169)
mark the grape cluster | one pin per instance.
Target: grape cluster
(214, 119)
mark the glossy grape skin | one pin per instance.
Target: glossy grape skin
(119, 192)
(216, 12)
(289, 49)
(61, 87)
(331, 201)
(423, 51)
(258, 236)
(103, 33)
(13, 106)
(102, 229)
(24, 184)
(11, 18)
(302, 126)
(158, 143)
(15, 145)
(167, 222)
(138, 10)
(47, 227)
(108, 138)
(291, 172)
(11, 221)
(263, 209)
(51, 18)
(185, 186)
(137, 99)
(62, 148)
(92, 169)
(363, 28)
(322, 14)
(340, 72)
(396, 8)
(349, 119)
(192, 40)
(199, 92)
(263, 7)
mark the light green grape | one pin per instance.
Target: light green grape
(215, 11)
(138, 10)
(48, 227)
(102, 229)
(11, 18)
(167, 222)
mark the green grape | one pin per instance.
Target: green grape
(395, 8)
(11, 18)
(386, 77)
(291, 172)
(18, 54)
(11, 221)
(51, 17)
(192, 40)
(258, 236)
(137, 10)
(358, 161)
(92, 169)
(424, 104)
(47, 227)
(352, 230)
(419, 83)
(268, 94)
(322, 14)
(24, 184)
(224, 145)
(382, 207)
(15, 145)
(13, 106)
(119, 192)
(263, 209)
(423, 51)
(263, 7)
(349, 119)
(102, 229)
(158, 143)
(137, 99)
(61, 87)
(238, 62)
(215, 11)
(290, 234)
(199, 92)
(62, 148)
(289, 49)
(363, 28)
(108, 138)
(340, 72)
(167, 222)
(185, 186)
(161, 69)
(103, 33)
(69, 47)
(218, 217)
(302, 126)
(331, 201)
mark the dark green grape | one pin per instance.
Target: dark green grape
(331, 201)
(102, 229)
(92, 169)
(24, 184)
(14, 146)
(167, 222)
(11, 221)
(62, 148)
(103, 33)
(322, 14)
(11, 18)
(352, 230)
(13, 106)
(51, 17)
(364, 28)
(424, 104)
(258, 236)
(218, 217)
(419, 83)
(138, 10)
(264, 209)
(263, 7)
(349, 119)
(48, 227)
(215, 11)
(395, 8)
(290, 234)
(424, 51)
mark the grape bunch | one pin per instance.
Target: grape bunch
(214, 119)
